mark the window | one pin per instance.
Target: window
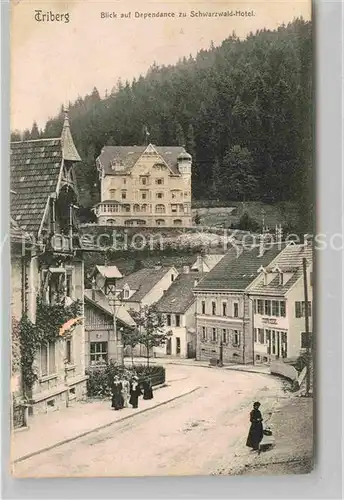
(173, 208)
(174, 195)
(177, 320)
(255, 335)
(47, 359)
(143, 181)
(168, 320)
(159, 181)
(214, 335)
(267, 308)
(236, 310)
(224, 336)
(213, 308)
(236, 338)
(261, 335)
(98, 352)
(300, 309)
(203, 306)
(305, 340)
(69, 284)
(172, 277)
(275, 308)
(136, 207)
(143, 195)
(160, 195)
(124, 180)
(124, 195)
(260, 306)
(69, 351)
(126, 293)
(160, 209)
(282, 308)
(224, 309)
(112, 194)
(144, 208)
(204, 333)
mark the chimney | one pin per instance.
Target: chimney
(308, 240)
(93, 289)
(186, 269)
(261, 247)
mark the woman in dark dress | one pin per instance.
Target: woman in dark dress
(117, 398)
(135, 392)
(255, 434)
(147, 389)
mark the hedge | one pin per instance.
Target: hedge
(100, 377)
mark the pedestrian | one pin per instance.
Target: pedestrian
(125, 391)
(147, 389)
(117, 399)
(135, 392)
(255, 434)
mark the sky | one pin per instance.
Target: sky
(53, 62)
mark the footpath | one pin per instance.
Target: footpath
(292, 453)
(174, 360)
(52, 429)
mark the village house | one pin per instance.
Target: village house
(145, 286)
(279, 305)
(178, 304)
(144, 186)
(102, 342)
(47, 264)
(223, 309)
(205, 263)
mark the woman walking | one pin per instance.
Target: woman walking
(135, 392)
(125, 392)
(147, 389)
(255, 434)
(117, 399)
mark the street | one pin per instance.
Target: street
(196, 434)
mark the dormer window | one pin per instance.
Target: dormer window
(280, 278)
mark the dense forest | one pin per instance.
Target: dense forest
(243, 110)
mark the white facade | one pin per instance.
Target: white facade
(143, 188)
(278, 331)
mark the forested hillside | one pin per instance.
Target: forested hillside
(243, 110)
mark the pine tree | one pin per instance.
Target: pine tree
(180, 139)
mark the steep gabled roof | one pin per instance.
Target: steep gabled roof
(179, 297)
(289, 262)
(17, 234)
(35, 169)
(237, 273)
(142, 281)
(98, 299)
(209, 260)
(129, 155)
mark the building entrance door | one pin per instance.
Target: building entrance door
(177, 346)
(169, 347)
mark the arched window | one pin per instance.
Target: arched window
(111, 222)
(177, 222)
(136, 207)
(144, 208)
(160, 209)
(160, 222)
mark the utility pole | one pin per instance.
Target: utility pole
(305, 286)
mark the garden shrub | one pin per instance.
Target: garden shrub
(100, 376)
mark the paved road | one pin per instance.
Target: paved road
(196, 434)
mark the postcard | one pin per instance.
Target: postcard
(162, 222)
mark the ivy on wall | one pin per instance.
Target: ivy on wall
(49, 319)
(15, 344)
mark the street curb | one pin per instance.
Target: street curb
(225, 367)
(83, 434)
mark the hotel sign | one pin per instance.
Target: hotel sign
(269, 321)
